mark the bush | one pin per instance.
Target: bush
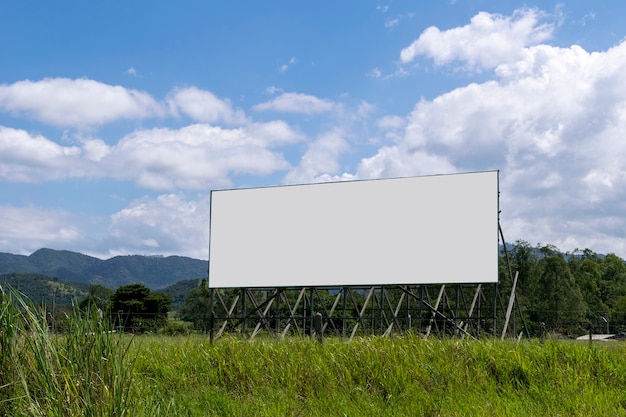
(176, 328)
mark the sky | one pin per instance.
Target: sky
(117, 118)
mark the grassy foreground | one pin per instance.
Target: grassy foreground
(378, 377)
(91, 372)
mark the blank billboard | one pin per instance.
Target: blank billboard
(417, 230)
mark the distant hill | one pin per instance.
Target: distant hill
(179, 291)
(43, 289)
(155, 272)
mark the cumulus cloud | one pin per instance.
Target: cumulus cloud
(170, 224)
(398, 161)
(320, 162)
(78, 103)
(553, 120)
(32, 158)
(203, 106)
(194, 157)
(297, 103)
(30, 228)
(198, 156)
(285, 67)
(392, 23)
(391, 122)
(487, 41)
(374, 73)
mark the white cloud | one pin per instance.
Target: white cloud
(170, 224)
(554, 122)
(273, 90)
(297, 103)
(285, 67)
(321, 160)
(392, 23)
(198, 156)
(32, 158)
(392, 127)
(26, 229)
(78, 103)
(375, 73)
(394, 161)
(203, 106)
(194, 157)
(391, 122)
(94, 149)
(273, 133)
(487, 41)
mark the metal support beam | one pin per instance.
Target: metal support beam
(510, 307)
(293, 311)
(367, 300)
(433, 314)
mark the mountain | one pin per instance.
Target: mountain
(179, 291)
(41, 288)
(155, 272)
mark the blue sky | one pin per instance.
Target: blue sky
(118, 119)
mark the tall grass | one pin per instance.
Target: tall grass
(91, 372)
(377, 376)
(83, 372)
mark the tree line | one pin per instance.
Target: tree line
(132, 307)
(567, 293)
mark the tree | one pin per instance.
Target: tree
(99, 298)
(585, 268)
(197, 307)
(560, 299)
(136, 307)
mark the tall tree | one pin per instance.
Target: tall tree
(197, 307)
(98, 298)
(561, 301)
(138, 308)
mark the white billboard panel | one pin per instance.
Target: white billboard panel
(436, 229)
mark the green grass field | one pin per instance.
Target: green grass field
(378, 377)
(91, 372)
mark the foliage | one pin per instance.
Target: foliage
(197, 307)
(45, 289)
(99, 299)
(139, 309)
(179, 292)
(570, 292)
(176, 328)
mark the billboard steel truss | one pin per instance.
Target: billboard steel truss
(458, 310)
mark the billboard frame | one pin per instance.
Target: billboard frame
(443, 204)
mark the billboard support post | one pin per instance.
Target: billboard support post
(510, 307)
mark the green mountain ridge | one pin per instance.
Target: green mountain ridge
(152, 271)
(40, 288)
